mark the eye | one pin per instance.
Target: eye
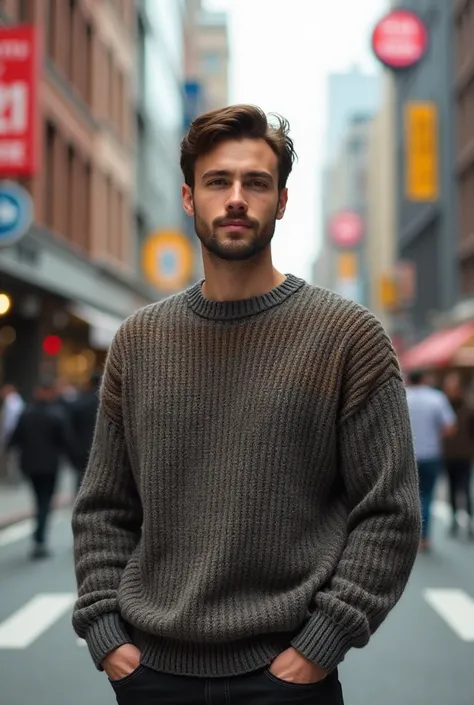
(217, 182)
(257, 183)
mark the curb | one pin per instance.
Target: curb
(61, 502)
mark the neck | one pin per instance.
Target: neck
(236, 281)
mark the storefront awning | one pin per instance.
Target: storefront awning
(440, 349)
(102, 325)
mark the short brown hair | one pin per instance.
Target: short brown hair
(237, 122)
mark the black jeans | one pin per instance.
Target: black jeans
(43, 489)
(459, 474)
(148, 687)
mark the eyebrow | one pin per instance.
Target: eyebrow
(216, 173)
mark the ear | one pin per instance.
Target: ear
(282, 201)
(187, 198)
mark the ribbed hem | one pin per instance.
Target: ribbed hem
(105, 635)
(209, 660)
(233, 310)
(323, 641)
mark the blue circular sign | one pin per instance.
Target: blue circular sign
(168, 263)
(16, 212)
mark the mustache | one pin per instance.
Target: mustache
(250, 222)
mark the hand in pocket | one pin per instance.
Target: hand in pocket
(121, 662)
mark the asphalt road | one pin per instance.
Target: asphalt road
(422, 655)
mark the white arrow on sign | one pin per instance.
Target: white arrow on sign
(455, 607)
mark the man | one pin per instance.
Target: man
(42, 438)
(10, 412)
(458, 452)
(432, 420)
(250, 509)
(83, 413)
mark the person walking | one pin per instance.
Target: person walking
(10, 412)
(42, 438)
(458, 453)
(250, 509)
(83, 414)
(433, 421)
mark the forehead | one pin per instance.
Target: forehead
(239, 156)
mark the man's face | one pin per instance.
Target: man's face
(235, 202)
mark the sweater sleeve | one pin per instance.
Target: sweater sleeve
(379, 474)
(106, 522)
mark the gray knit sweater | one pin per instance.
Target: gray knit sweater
(251, 486)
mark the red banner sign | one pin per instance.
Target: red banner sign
(19, 76)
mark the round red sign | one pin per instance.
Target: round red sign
(400, 39)
(346, 229)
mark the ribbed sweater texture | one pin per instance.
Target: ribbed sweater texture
(251, 486)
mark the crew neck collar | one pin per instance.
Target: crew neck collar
(233, 310)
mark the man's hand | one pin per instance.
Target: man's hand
(121, 662)
(293, 667)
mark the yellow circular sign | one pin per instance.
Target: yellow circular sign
(167, 259)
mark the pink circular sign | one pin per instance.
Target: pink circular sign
(346, 229)
(400, 39)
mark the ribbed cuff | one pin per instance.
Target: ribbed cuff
(105, 635)
(322, 641)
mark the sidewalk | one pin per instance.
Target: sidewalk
(16, 503)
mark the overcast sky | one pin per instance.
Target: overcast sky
(282, 52)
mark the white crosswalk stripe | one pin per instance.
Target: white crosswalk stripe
(24, 529)
(25, 625)
(455, 608)
(16, 532)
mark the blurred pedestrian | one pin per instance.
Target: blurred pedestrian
(458, 453)
(42, 439)
(432, 420)
(83, 419)
(10, 412)
(250, 509)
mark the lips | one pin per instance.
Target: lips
(235, 224)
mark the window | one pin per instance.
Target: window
(141, 48)
(120, 233)
(50, 139)
(50, 24)
(72, 39)
(108, 216)
(121, 105)
(25, 10)
(211, 63)
(88, 65)
(110, 86)
(72, 194)
(87, 206)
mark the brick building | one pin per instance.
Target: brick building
(76, 273)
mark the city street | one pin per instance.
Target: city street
(423, 654)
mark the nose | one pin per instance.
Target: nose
(236, 202)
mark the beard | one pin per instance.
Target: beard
(234, 247)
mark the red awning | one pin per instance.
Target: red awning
(439, 349)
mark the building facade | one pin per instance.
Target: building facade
(348, 94)
(381, 202)
(464, 150)
(426, 213)
(206, 57)
(206, 85)
(159, 123)
(72, 280)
